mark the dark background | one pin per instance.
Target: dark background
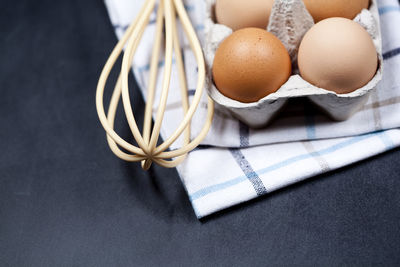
(65, 200)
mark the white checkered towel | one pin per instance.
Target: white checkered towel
(235, 163)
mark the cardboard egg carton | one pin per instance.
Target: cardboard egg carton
(295, 14)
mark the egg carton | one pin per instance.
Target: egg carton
(294, 14)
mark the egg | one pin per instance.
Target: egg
(337, 54)
(238, 14)
(323, 9)
(250, 64)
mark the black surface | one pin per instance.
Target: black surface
(65, 200)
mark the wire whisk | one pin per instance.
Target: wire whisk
(147, 151)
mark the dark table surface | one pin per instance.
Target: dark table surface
(65, 200)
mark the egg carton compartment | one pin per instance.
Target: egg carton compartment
(289, 21)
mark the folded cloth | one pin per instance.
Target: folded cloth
(235, 163)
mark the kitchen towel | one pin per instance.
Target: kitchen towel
(236, 163)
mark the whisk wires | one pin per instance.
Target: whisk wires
(147, 150)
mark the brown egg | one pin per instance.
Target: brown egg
(323, 9)
(238, 14)
(337, 54)
(250, 64)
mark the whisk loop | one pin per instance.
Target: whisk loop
(147, 151)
